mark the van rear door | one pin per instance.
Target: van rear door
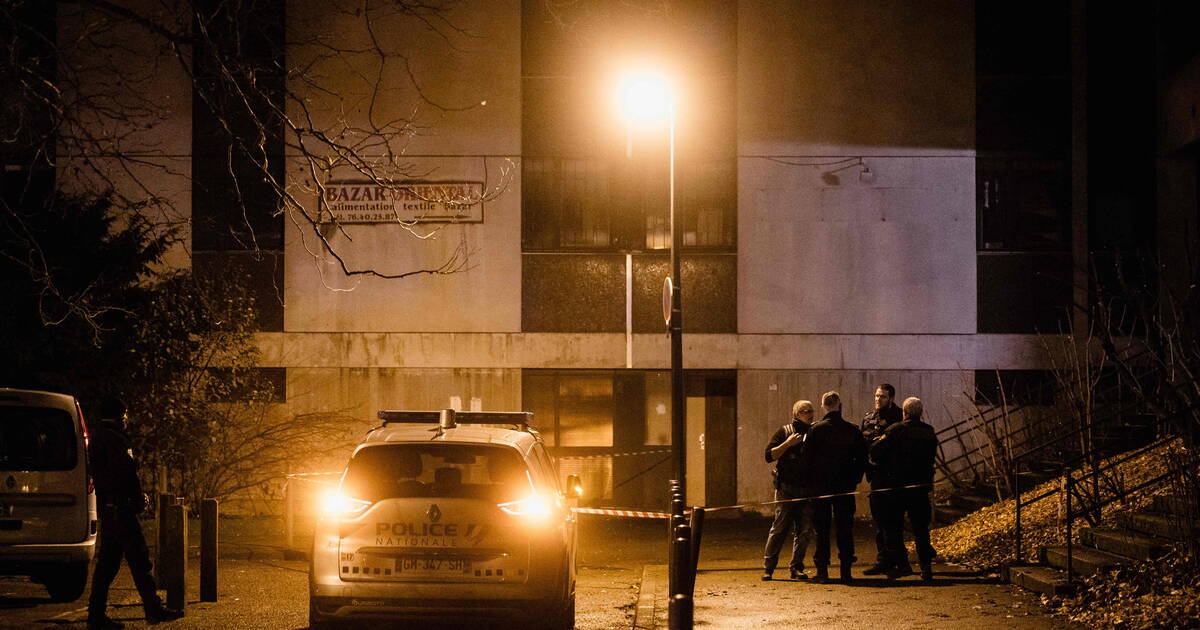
(43, 476)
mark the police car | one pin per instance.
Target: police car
(447, 515)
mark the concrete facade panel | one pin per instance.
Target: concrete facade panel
(607, 351)
(826, 252)
(829, 78)
(481, 294)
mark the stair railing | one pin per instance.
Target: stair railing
(990, 416)
(1070, 466)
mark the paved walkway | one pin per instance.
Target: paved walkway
(729, 594)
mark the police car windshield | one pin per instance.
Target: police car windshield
(36, 438)
(472, 471)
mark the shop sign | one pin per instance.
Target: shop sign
(431, 202)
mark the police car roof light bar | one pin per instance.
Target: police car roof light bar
(449, 418)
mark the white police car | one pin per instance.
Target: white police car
(447, 515)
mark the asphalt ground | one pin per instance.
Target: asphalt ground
(262, 589)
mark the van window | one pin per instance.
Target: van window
(36, 438)
(473, 471)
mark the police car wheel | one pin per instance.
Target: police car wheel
(318, 622)
(66, 585)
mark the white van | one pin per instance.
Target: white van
(47, 501)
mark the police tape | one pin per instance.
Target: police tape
(607, 455)
(643, 514)
(616, 512)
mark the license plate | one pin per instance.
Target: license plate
(425, 565)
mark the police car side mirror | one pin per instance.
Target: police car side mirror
(574, 488)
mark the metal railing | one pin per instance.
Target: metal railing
(970, 459)
(1068, 486)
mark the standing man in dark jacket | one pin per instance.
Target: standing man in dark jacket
(119, 500)
(904, 457)
(834, 457)
(885, 414)
(784, 449)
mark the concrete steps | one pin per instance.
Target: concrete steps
(1084, 560)
(1156, 524)
(1037, 578)
(1124, 542)
(1138, 536)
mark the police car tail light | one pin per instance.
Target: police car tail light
(533, 507)
(343, 506)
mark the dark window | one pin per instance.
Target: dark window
(471, 471)
(260, 272)
(617, 205)
(36, 438)
(1014, 387)
(588, 182)
(238, 148)
(1023, 169)
(1024, 293)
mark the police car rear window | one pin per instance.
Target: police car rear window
(472, 471)
(36, 438)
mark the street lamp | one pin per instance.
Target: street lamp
(647, 98)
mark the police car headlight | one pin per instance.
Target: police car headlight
(534, 508)
(337, 504)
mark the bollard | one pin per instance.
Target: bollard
(685, 578)
(697, 526)
(174, 566)
(160, 520)
(208, 550)
(679, 612)
(289, 513)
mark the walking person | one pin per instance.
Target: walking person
(884, 415)
(119, 500)
(784, 449)
(904, 459)
(834, 457)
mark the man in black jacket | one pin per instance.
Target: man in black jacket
(784, 449)
(834, 457)
(119, 500)
(904, 459)
(885, 414)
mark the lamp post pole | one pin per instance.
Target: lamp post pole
(678, 419)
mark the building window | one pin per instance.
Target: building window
(1023, 168)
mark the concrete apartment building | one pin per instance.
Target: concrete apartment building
(869, 191)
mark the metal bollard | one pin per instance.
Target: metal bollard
(160, 519)
(679, 612)
(208, 550)
(697, 527)
(174, 560)
(685, 578)
(289, 512)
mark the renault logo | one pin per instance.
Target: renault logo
(434, 513)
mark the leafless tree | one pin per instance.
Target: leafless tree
(96, 91)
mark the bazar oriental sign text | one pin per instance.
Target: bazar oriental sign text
(435, 202)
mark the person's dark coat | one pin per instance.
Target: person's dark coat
(114, 470)
(789, 467)
(872, 426)
(834, 455)
(904, 456)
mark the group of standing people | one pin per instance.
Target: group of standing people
(818, 466)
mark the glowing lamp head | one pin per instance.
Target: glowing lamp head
(645, 98)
